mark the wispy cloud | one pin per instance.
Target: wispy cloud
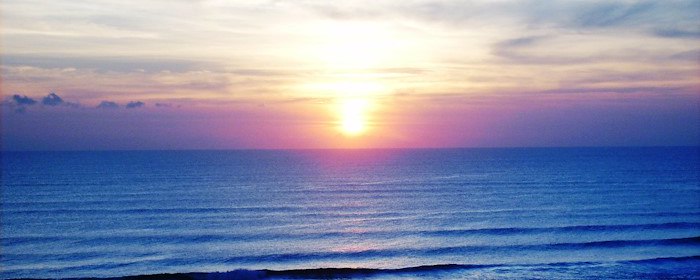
(608, 14)
(678, 33)
(103, 64)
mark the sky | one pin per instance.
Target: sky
(209, 74)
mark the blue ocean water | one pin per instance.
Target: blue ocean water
(564, 213)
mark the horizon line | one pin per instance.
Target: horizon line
(352, 149)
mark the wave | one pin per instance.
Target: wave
(326, 273)
(332, 273)
(575, 228)
(456, 250)
(195, 236)
(397, 252)
(255, 213)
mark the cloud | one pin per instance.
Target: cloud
(52, 100)
(521, 41)
(105, 64)
(108, 105)
(134, 104)
(667, 90)
(677, 33)
(567, 49)
(692, 55)
(23, 100)
(312, 100)
(167, 105)
(72, 104)
(525, 50)
(594, 15)
(612, 14)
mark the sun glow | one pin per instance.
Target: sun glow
(351, 54)
(353, 116)
(355, 45)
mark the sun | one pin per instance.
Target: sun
(353, 119)
(351, 53)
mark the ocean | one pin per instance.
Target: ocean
(501, 213)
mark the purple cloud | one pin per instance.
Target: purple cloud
(52, 100)
(23, 100)
(108, 105)
(134, 104)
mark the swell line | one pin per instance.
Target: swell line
(695, 241)
(332, 272)
(373, 253)
(197, 237)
